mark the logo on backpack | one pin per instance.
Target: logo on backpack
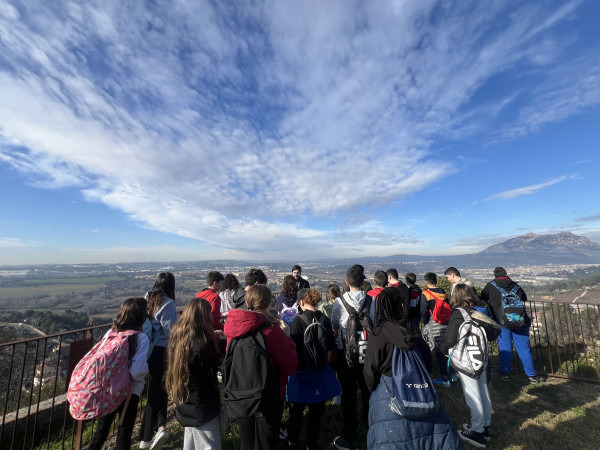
(413, 394)
(470, 354)
(442, 310)
(289, 313)
(358, 328)
(513, 308)
(101, 380)
(250, 382)
(315, 343)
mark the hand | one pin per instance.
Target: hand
(220, 334)
(284, 327)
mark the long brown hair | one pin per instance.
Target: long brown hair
(258, 299)
(193, 332)
(164, 285)
(462, 296)
(131, 315)
(289, 287)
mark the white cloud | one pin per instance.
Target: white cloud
(239, 125)
(528, 190)
(7, 242)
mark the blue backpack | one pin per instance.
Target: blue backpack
(413, 393)
(513, 309)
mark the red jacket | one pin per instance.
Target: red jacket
(215, 306)
(281, 349)
(375, 292)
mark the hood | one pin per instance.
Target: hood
(505, 283)
(207, 294)
(240, 322)
(239, 299)
(375, 292)
(355, 298)
(399, 335)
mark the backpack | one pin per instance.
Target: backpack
(289, 313)
(413, 394)
(442, 310)
(101, 381)
(414, 294)
(490, 326)
(357, 331)
(470, 354)
(315, 343)
(250, 382)
(513, 308)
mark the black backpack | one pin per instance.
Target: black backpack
(250, 382)
(357, 331)
(315, 342)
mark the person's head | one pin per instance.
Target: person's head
(462, 296)
(296, 272)
(192, 332)
(255, 276)
(258, 299)
(333, 292)
(452, 274)
(380, 279)
(392, 275)
(310, 300)
(289, 286)
(214, 280)
(389, 306)
(163, 286)
(430, 278)
(500, 272)
(411, 278)
(230, 282)
(355, 276)
(131, 315)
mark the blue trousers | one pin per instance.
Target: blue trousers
(521, 340)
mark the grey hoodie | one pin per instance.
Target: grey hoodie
(339, 315)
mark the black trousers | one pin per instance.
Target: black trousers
(155, 412)
(350, 380)
(124, 431)
(315, 413)
(260, 432)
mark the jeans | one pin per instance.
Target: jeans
(478, 399)
(123, 433)
(521, 340)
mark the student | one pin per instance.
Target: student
(230, 285)
(454, 277)
(365, 285)
(434, 330)
(414, 293)
(287, 297)
(254, 276)
(214, 281)
(316, 410)
(333, 293)
(394, 281)
(381, 280)
(350, 379)
(163, 315)
(262, 431)
(193, 361)
(386, 428)
(131, 316)
(476, 391)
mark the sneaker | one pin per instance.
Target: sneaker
(337, 400)
(473, 438)
(341, 444)
(441, 382)
(453, 378)
(537, 379)
(283, 434)
(159, 439)
(486, 431)
(145, 444)
(502, 376)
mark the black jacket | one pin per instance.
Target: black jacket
(451, 336)
(299, 327)
(302, 284)
(239, 299)
(492, 296)
(380, 350)
(203, 402)
(426, 306)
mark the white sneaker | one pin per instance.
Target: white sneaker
(159, 439)
(145, 444)
(337, 400)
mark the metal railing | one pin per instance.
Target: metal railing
(564, 337)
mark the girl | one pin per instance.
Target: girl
(316, 410)
(289, 290)
(333, 292)
(476, 391)
(230, 285)
(388, 430)
(131, 316)
(261, 431)
(193, 361)
(163, 315)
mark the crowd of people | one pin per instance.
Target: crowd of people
(240, 354)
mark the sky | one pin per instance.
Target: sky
(294, 131)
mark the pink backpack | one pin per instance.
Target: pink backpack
(101, 380)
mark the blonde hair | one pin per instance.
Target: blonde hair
(258, 299)
(192, 332)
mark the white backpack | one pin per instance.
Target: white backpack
(470, 354)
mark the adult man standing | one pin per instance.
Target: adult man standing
(502, 293)
(453, 276)
(214, 280)
(301, 283)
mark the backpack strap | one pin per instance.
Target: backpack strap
(304, 319)
(515, 288)
(366, 306)
(465, 314)
(502, 291)
(349, 308)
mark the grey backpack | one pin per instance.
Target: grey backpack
(470, 354)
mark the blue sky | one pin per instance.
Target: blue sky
(294, 131)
